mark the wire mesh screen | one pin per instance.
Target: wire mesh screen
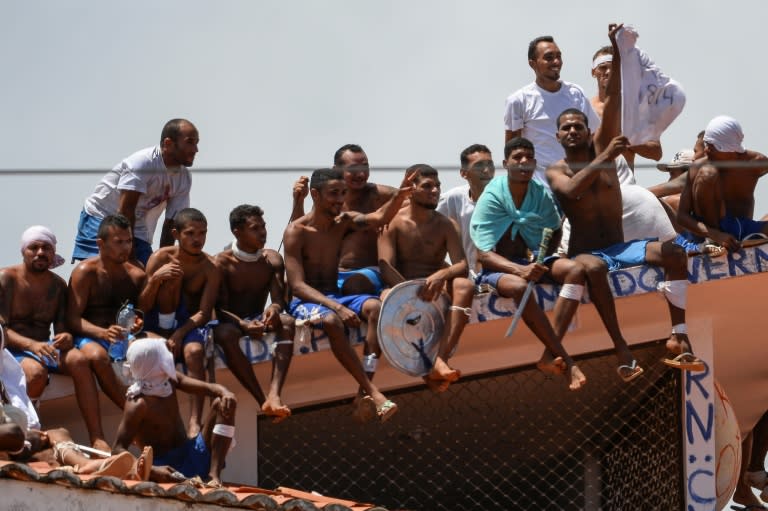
(507, 440)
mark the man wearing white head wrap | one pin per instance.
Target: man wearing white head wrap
(718, 199)
(42, 235)
(32, 298)
(151, 416)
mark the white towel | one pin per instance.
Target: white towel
(16, 386)
(651, 99)
(152, 368)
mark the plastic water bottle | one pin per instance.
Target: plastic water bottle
(126, 317)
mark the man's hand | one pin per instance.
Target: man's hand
(228, 403)
(533, 272)
(617, 146)
(613, 30)
(348, 317)
(113, 333)
(726, 240)
(301, 188)
(44, 350)
(169, 271)
(432, 287)
(272, 318)
(63, 341)
(253, 328)
(174, 344)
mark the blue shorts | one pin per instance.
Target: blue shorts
(304, 310)
(191, 458)
(740, 227)
(198, 334)
(85, 240)
(623, 255)
(50, 364)
(82, 341)
(491, 278)
(372, 273)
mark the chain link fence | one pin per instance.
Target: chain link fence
(509, 440)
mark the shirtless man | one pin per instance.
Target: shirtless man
(414, 246)
(718, 200)
(601, 72)
(358, 264)
(151, 416)
(250, 273)
(587, 188)
(182, 284)
(32, 298)
(312, 254)
(509, 219)
(459, 202)
(671, 189)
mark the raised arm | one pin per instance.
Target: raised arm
(300, 192)
(386, 212)
(574, 186)
(387, 249)
(610, 127)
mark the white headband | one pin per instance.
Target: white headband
(45, 235)
(601, 59)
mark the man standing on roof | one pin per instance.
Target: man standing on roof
(140, 187)
(530, 112)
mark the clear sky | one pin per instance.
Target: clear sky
(278, 85)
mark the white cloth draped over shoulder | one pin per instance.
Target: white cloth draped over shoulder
(651, 99)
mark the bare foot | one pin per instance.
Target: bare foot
(101, 445)
(143, 466)
(166, 474)
(442, 371)
(364, 409)
(678, 343)
(551, 366)
(436, 385)
(578, 379)
(119, 465)
(274, 407)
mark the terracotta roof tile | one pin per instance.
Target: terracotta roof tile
(231, 495)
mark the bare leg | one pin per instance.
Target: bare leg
(67, 453)
(743, 494)
(513, 287)
(101, 367)
(218, 445)
(75, 364)
(602, 297)
(36, 376)
(370, 313)
(227, 336)
(442, 374)
(194, 358)
(280, 364)
(348, 358)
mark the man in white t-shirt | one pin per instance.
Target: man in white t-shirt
(140, 187)
(531, 112)
(458, 203)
